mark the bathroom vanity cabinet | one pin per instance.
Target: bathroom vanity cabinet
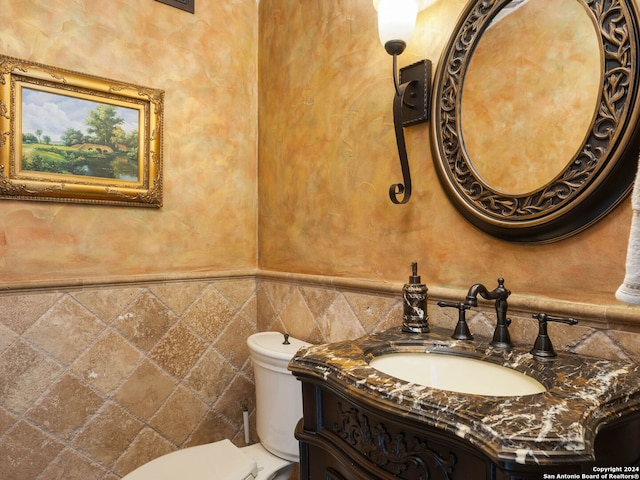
(342, 438)
(360, 425)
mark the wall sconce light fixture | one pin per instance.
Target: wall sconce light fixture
(396, 21)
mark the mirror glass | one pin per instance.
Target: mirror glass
(503, 95)
(535, 114)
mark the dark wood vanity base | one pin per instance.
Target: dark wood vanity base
(342, 439)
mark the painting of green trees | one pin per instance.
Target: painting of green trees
(73, 136)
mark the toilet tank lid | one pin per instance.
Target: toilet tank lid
(271, 344)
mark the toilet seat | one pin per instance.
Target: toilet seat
(214, 461)
(268, 463)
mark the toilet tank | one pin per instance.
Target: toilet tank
(278, 393)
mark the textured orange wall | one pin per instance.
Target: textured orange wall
(327, 157)
(549, 122)
(206, 63)
(326, 148)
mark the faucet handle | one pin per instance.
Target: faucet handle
(543, 317)
(543, 348)
(462, 331)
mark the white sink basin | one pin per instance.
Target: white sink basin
(456, 374)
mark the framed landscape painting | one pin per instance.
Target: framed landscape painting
(70, 137)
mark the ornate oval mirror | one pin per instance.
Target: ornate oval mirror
(535, 114)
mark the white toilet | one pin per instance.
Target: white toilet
(278, 409)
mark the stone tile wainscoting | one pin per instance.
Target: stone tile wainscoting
(323, 309)
(95, 381)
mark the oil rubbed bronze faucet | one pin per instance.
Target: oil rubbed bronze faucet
(501, 337)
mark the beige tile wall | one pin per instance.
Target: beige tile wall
(336, 311)
(96, 381)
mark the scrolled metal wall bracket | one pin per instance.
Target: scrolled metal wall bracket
(396, 21)
(410, 107)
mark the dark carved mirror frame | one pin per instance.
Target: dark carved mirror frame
(593, 182)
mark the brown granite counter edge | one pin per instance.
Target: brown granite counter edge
(488, 445)
(311, 363)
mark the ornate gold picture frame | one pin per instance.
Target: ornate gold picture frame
(70, 137)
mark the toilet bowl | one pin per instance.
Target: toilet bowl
(278, 409)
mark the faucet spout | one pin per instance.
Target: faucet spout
(501, 337)
(474, 291)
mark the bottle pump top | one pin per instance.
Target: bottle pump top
(414, 278)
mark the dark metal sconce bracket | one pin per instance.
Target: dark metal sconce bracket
(416, 108)
(410, 107)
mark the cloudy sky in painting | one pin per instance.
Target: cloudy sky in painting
(53, 114)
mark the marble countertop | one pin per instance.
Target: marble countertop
(554, 427)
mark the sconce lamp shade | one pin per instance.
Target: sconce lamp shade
(396, 20)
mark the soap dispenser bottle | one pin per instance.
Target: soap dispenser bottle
(414, 295)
